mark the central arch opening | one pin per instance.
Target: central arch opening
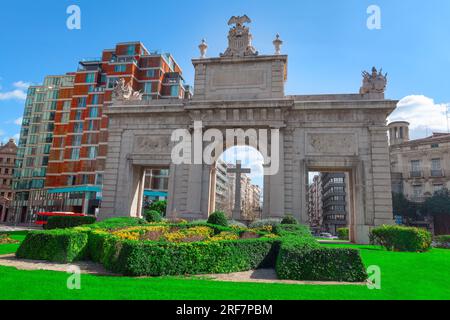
(237, 184)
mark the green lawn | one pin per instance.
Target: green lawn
(404, 276)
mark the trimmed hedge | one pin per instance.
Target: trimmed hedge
(54, 245)
(157, 259)
(64, 222)
(219, 218)
(343, 233)
(289, 220)
(398, 238)
(297, 262)
(265, 222)
(152, 216)
(295, 254)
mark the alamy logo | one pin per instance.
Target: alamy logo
(74, 280)
(374, 20)
(374, 273)
(74, 20)
(190, 147)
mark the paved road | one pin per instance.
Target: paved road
(8, 228)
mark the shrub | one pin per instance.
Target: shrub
(289, 220)
(343, 233)
(152, 216)
(265, 222)
(54, 245)
(65, 222)
(160, 206)
(297, 261)
(218, 218)
(442, 242)
(399, 238)
(153, 259)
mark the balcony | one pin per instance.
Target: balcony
(416, 174)
(437, 173)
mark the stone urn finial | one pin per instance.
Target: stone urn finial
(277, 44)
(203, 48)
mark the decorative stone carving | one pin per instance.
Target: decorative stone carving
(373, 83)
(331, 144)
(125, 92)
(203, 48)
(277, 43)
(239, 38)
(153, 144)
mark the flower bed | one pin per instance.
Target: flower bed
(144, 249)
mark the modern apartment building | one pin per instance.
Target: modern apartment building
(8, 153)
(334, 201)
(36, 137)
(76, 131)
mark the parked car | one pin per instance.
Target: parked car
(327, 235)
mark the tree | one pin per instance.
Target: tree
(438, 204)
(159, 206)
(405, 208)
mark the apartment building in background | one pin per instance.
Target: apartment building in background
(419, 167)
(334, 201)
(65, 131)
(315, 212)
(8, 153)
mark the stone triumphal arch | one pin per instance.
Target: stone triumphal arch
(243, 89)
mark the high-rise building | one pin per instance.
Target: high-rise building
(315, 203)
(36, 137)
(222, 188)
(8, 153)
(76, 130)
(334, 201)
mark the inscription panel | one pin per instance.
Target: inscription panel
(342, 144)
(152, 144)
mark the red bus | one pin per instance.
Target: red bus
(42, 217)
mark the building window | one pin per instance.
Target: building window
(65, 117)
(436, 170)
(95, 99)
(76, 141)
(78, 127)
(120, 68)
(438, 187)
(90, 78)
(174, 91)
(71, 180)
(148, 87)
(81, 102)
(131, 50)
(75, 154)
(416, 168)
(151, 73)
(98, 179)
(92, 152)
(112, 82)
(417, 192)
(93, 112)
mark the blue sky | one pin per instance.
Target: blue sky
(328, 44)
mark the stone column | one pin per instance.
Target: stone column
(276, 194)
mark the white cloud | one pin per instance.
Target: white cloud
(19, 93)
(422, 113)
(21, 85)
(16, 137)
(18, 121)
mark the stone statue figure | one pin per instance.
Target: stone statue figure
(239, 38)
(125, 92)
(373, 83)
